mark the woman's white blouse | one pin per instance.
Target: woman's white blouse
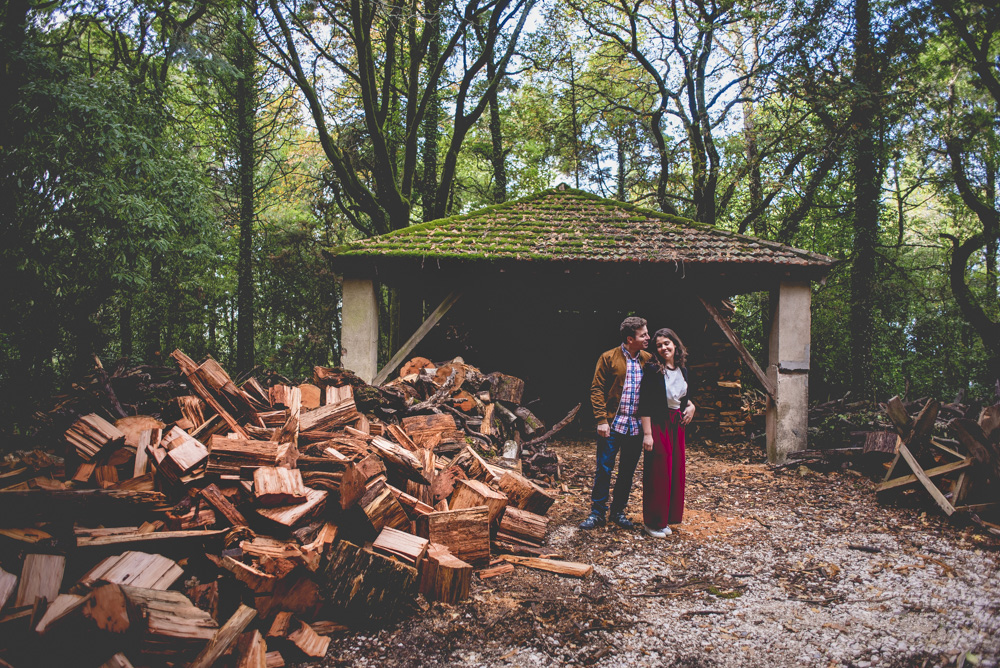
(676, 386)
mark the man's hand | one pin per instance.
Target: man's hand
(688, 414)
(604, 430)
(647, 442)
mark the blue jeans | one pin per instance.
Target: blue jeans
(607, 451)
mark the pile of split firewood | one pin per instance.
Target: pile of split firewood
(241, 524)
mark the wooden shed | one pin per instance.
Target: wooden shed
(538, 286)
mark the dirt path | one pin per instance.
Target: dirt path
(764, 571)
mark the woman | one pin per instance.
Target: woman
(664, 409)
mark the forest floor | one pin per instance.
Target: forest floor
(764, 571)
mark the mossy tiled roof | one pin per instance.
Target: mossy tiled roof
(572, 225)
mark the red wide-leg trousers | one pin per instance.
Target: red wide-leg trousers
(663, 475)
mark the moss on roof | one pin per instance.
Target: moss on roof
(573, 225)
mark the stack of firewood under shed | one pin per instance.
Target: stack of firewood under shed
(257, 521)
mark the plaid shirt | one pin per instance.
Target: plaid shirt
(625, 421)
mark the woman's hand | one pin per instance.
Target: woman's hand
(647, 442)
(688, 414)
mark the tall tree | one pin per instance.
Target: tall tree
(868, 93)
(971, 132)
(380, 51)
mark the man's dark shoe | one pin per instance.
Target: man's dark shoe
(593, 521)
(622, 521)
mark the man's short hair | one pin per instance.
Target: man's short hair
(630, 326)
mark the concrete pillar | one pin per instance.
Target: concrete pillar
(788, 368)
(359, 328)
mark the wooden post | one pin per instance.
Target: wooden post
(359, 328)
(416, 337)
(788, 370)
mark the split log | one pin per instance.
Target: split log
(474, 465)
(443, 576)
(465, 532)
(296, 592)
(205, 597)
(443, 485)
(429, 431)
(8, 583)
(506, 388)
(214, 496)
(525, 494)
(174, 538)
(285, 396)
(531, 424)
(41, 577)
(135, 569)
(281, 626)
(119, 660)
(184, 454)
(501, 568)
(308, 641)
(400, 460)
(224, 637)
(255, 580)
(330, 416)
(522, 526)
(173, 625)
(135, 426)
(92, 435)
(364, 585)
(228, 456)
(899, 416)
(107, 609)
(383, 510)
(402, 545)
(472, 493)
(310, 396)
(251, 650)
(149, 439)
(275, 486)
(291, 516)
(64, 606)
(411, 504)
(570, 568)
(194, 375)
(977, 444)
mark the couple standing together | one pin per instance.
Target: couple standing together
(641, 404)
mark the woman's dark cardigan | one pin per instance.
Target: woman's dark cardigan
(653, 394)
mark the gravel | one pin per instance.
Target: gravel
(764, 571)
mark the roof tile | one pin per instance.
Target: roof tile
(572, 225)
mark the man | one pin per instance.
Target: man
(614, 394)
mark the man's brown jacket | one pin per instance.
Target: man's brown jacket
(609, 380)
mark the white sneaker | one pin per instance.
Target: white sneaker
(667, 531)
(656, 533)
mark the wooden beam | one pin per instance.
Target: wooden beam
(417, 337)
(744, 353)
(918, 471)
(903, 481)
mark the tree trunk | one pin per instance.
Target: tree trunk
(866, 194)
(432, 132)
(154, 330)
(245, 121)
(497, 156)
